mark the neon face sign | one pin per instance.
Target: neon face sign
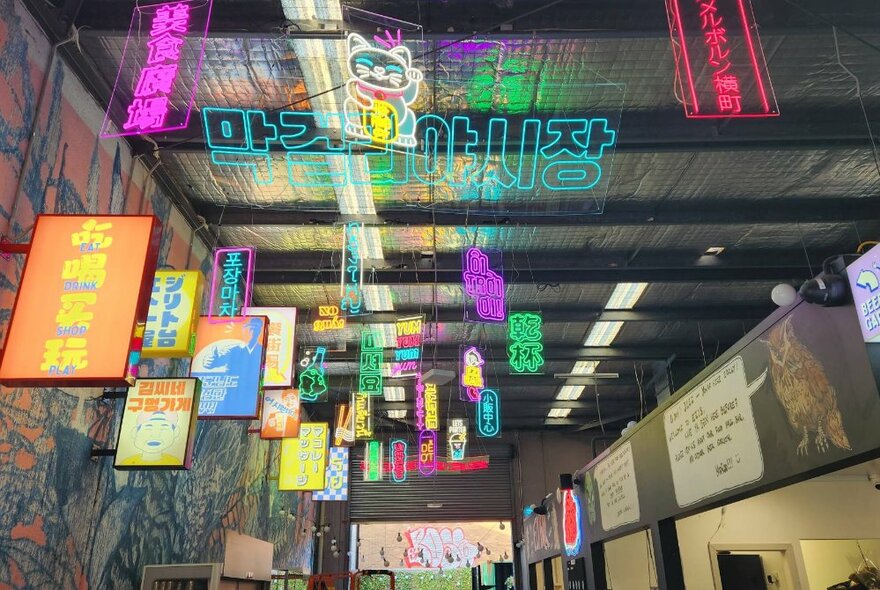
(155, 101)
(489, 414)
(571, 522)
(525, 348)
(738, 84)
(472, 381)
(397, 456)
(231, 282)
(556, 155)
(483, 285)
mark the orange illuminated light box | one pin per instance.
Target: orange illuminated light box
(81, 306)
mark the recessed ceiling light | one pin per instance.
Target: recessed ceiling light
(559, 412)
(625, 295)
(394, 394)
(396, 414)
(713, 251)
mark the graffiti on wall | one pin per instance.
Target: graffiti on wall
(430, 547)
(66, 521)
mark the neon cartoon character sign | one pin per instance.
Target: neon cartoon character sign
(382, 87)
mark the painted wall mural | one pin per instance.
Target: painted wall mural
(66, 521)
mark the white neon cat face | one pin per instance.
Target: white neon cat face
(381, 68)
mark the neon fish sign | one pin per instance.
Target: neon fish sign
(397, 456)
(557, 154)
(352, 275)
(472, 381)
(525, 348)
(483, 285)
(489, 414)
(231, 282)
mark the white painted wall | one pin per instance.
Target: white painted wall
(629, 563)
(818, 509)
(842, 508)
(830, 562)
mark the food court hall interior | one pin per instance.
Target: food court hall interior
(439, 295)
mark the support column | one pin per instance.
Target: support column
(667, 555)
(596, 578)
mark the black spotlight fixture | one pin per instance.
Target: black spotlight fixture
(830, 288)
(566, 481)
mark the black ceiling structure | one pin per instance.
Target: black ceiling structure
(778, 195)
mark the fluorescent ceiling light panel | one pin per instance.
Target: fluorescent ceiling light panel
(625, 295)
(378, 298)
(570, 392)
(585, 367)
(394, 394)
(603, 333)
(312, 9)
(396, 414)
(559, 413)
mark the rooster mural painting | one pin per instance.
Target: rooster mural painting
(803, 389)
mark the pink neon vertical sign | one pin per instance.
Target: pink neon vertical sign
(155, 90)
(720, 63)
(231, 282)
(483, 285)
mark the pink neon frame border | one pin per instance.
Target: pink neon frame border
(679, 26)
(192, 98)
(245, 306)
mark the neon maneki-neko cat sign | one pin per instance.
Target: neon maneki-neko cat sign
(400, 146)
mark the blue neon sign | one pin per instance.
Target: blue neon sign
(558, 154)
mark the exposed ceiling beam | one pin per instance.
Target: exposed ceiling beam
(577, 313)
(522, 406)
(560, 353)
(501, 380)
(704, 211)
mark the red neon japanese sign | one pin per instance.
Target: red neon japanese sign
(721, 70)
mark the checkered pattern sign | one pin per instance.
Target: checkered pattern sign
(337, 477)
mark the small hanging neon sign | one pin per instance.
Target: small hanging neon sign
(571, 522)
(329, 319)
(427, 452)
(484, 286)
(352, 276)
(231, 281)
(472, 382)
(363, 416)
(370, 378)
(456, 438)
(397, 460)
(427, 405)
(312, 378)
(408, 352)
(373, 461)
(489, 414)
(525, 342)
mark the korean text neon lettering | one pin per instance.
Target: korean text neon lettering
(231, 282)
(370, 378)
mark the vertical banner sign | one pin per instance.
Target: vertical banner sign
(312, 376)
(373, 461)
(337, 477)
(174, 314)
(229, 361)
(280, 345)
(472, 382)
(408, 350)
(158, 425)
(571, 522)
(363, 416)
(484, 285)
(427, 452)
(370, 379)
(343, 433)
(329, 319)
(159, 71)
(427, 405)
(304, 459)
(456, 439)
(231, 281)
(719, 59)
(280, 415)
(351, 284)
(397, 459)
(864, 284)
(525, 342)
(83, 300)
(489, 414)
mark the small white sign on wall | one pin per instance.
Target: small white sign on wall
(618, 493)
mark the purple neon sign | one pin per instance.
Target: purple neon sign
(483, 285)
(471, 374)
(427, 452)
(160, 95)
(231, 282)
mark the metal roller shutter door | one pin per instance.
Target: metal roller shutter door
(478, 495)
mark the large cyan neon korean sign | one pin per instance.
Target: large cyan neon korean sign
(557, 154)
